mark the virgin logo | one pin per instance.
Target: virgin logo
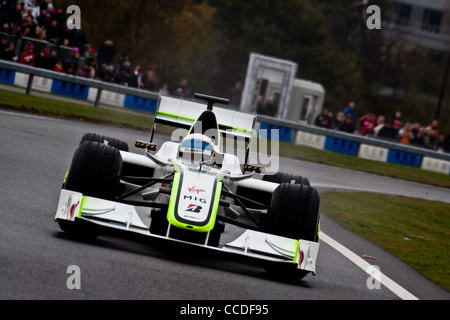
(194, 190)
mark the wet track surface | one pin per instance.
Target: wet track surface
(35, 153)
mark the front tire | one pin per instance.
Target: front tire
(294, 213)
(94, 172)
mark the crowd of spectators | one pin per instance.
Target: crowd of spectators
(102, 67)
(46, 23)
(412, 133)
(42, 22)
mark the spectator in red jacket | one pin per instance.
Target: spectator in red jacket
(28, 57)
(368, 123)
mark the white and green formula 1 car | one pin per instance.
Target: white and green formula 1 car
(193, 193)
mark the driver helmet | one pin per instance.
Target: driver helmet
(197, 148)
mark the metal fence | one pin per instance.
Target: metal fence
(63, 52)
(74, 80)
(358, 139)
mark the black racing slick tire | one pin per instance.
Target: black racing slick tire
(282, 177)
(94, 172)
(113, 142)
(294, 213)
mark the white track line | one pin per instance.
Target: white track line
(360, 262)
(25, 115)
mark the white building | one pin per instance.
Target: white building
(424, 23)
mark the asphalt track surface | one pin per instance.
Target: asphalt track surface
(35, 255)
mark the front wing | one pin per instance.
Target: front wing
(253, 244)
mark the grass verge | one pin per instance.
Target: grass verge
(73, 111)
(415, 230)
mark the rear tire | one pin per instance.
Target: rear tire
(113, 142)
(294, 213)
(281, 177)
(94, 172)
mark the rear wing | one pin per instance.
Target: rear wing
(183, 114)
(180, 113)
